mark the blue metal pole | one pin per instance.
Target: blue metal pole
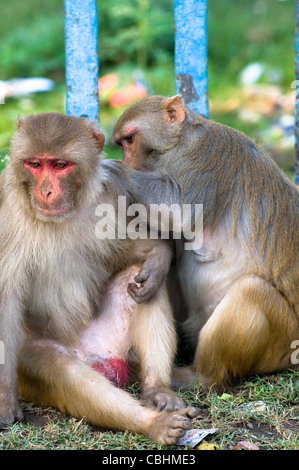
(296, 94)
(191, 53)
(82, 59)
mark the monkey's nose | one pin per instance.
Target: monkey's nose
(46, 191)
(46, 195)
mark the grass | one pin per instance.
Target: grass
(276, 428)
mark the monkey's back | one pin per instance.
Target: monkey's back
(238, 183)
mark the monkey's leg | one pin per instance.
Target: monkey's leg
(155, 343)
(151, 332)
(250, 331)
(50, 376)
(10, 338)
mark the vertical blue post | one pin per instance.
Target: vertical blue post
(82, 59)
(296, 94)
(191, 53)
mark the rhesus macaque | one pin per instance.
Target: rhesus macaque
(241, 286)
(67, 290)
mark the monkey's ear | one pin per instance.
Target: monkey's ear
(173, 109)
(99, 137)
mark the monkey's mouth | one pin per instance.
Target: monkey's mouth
(53, 212)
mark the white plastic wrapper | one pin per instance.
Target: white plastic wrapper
(194, 436)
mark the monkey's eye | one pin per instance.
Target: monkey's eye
(129, 139)
(61, 165)
(34, 164)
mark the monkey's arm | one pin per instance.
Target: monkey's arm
(148, 189)
(144, 187)
(156, 256)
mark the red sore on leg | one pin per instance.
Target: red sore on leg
(114, 369)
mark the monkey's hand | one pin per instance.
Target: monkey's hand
(149, 281)
(156, 257)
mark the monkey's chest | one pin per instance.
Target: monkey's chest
(62, 297)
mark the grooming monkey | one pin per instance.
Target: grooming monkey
(67, 290)
(241, 286)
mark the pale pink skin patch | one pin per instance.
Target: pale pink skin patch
(106, 342)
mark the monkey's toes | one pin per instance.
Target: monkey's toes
(167, 402)
(192, 411)
(170, 427)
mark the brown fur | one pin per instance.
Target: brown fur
(54, 284)
(241, 287)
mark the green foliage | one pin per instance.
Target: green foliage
(44, 42)
(242, 32)
(140, 33)
(137, 31)
(34, 46)
(32, 39)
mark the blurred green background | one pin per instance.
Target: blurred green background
(251, 63)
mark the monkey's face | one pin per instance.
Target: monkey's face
(55, 162)
(134, 147)
(148, 129)
(49, 180)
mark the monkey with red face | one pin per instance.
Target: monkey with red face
(241, 285)
(66, 319)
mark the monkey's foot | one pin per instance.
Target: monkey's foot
(184, 377)
(10, 413)
(168, 428)
(163, 399)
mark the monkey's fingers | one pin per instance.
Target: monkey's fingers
(141, 277)
(133, 292)
(142, 293)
